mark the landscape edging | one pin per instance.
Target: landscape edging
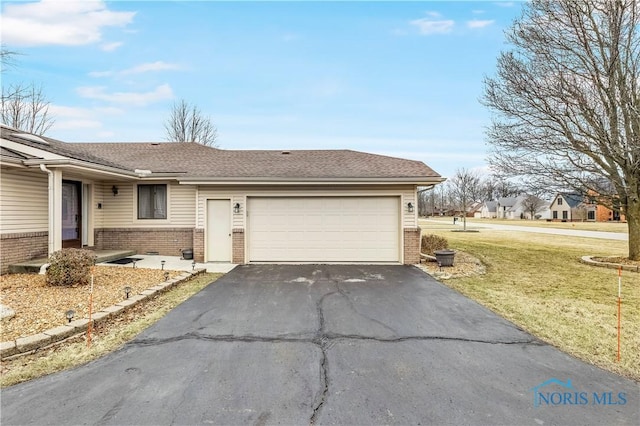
(44, 339)
(589, 261)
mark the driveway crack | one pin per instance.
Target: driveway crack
(322, 341)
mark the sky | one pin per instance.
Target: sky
(395, 78)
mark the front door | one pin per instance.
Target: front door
(71, 214)
(218, 231)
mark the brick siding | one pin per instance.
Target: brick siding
(198, 245)
(166, 241)
(411, 246)
(237, 255)
(20, 247)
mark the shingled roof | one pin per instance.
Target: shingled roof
(192, 161)
(195, 160)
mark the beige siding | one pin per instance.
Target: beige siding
(182, 205)
(120, 211)
(240, 194)
(24, 201)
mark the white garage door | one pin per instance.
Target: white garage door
(324, 229)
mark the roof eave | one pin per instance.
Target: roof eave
(419, 181)
(82, 165)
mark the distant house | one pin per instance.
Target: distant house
(572, 207)
(488, 210)
(568, 207)
(507, 208)
(474, 210)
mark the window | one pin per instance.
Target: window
(565, 215)
(555, 214)
(559, 201)
(152, 201)
(591, 215)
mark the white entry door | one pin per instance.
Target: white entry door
(218, 231)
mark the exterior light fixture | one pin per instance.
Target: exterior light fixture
(162, 262)
(127, 292)
(410, 207)
(166, 276)
(193, 265)
(69, 314)
(236, 208)
(114, 189)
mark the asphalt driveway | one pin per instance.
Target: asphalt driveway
(328, 344)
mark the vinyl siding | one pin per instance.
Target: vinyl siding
(24, 201)
(120, 211)
(240, 194)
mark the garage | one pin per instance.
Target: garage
(323, 229)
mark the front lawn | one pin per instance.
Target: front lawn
(537, 282)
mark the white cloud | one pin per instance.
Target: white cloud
(429, 26)
(479, 23)
(138, 69)
(98, 74)
(151, 66)
(110, 47)
(54, 22)
(77, 124)
(160, 93)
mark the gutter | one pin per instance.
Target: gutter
(309, 181)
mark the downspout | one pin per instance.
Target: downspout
(51, 208)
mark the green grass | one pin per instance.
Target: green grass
(537, 282)
(108, 337)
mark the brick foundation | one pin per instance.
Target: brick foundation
(411, 246)
(198, 245)
(237, 245)
(167, 241)
(23, 246)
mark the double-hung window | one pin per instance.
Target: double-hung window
(152, 201)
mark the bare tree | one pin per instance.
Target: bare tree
(188, 124)
(466, 189)
(25, 107)
(566, 101)
(532, 205)
(7, 58)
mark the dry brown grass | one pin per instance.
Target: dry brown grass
(537, 282)
(107, 336)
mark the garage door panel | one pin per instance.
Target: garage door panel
(324, 229)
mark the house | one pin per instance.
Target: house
(488, 210)
(505, 208)
(474, 209)
(315, 206)
(573, 207)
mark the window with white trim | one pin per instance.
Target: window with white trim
(152, 201)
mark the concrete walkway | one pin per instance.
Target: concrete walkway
(173, 263)
(553, 231)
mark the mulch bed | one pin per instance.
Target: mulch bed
(464, 265)
(39, 307)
